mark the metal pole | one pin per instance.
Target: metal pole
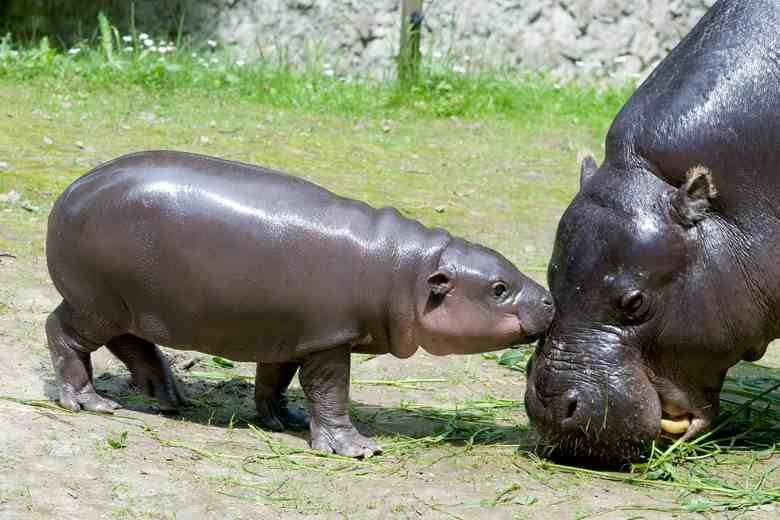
(409, 51)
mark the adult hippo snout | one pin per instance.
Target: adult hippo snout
(584, 406)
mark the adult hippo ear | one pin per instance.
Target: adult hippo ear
(441, 281)
(588, 167)
(691, 202)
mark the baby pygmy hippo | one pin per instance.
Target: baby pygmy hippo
(234, 260)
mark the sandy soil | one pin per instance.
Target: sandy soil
(208, 463)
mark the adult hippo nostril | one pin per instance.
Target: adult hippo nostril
(570, 405)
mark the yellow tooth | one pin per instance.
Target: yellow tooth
(675, 426)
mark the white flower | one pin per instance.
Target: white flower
(214, 60)
(211, 43)
(194, 54)
(74, 51)
(127, 38)
(459, 69)
(240, 63)
(148, 43)
(162, 50)
(328, 72)
(128, 49)
(143, 36)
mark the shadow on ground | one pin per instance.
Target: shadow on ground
(230, 404)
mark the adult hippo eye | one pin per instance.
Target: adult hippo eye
(499, 290)
(634, 305)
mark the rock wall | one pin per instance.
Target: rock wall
(615, 39)
(586, 38)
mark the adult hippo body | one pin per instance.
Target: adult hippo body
(666, 265)
(195, 252)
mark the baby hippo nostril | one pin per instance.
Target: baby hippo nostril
(547, 301)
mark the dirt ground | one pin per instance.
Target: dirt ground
(208, 463)
(456, 440)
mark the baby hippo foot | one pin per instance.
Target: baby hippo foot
(85, 399)
(277, 415)
(273, 410)
(342, 440)
(293, 418)
(168, 397)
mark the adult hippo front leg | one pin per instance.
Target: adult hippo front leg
(273, 410)
(325, 380)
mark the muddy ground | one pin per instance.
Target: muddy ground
(456, 438)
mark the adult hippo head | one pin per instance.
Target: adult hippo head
(665, 270)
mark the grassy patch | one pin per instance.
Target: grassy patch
(733, 467)
(111, 63)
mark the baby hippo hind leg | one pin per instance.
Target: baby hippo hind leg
(72, 338)
(325, 380)
(273, 411)
(150, 370)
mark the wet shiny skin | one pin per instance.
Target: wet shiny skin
(195, 252)
(683, 212)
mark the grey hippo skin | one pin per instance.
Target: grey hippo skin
(235, 260)
(665, 268)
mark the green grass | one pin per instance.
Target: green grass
(531, 98)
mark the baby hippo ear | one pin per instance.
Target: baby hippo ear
(693, 199)
(441, 281)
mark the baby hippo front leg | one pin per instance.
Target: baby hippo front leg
(325, 380)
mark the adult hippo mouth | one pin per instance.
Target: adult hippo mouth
(606, 414)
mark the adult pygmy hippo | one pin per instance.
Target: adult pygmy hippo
(239, 261)
(666, 266)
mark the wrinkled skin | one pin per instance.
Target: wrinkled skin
(664, 270)
(193, 252)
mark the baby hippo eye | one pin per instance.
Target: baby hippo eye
(499, 290)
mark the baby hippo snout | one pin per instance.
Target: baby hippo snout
(535, 309)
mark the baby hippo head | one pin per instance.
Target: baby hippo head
(477, 301)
